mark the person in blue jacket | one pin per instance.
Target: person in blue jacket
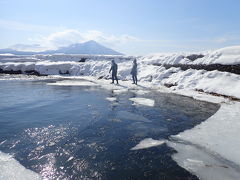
(134, 71)
(114, 68)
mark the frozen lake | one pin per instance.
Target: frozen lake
(87, 132)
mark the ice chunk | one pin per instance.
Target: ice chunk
(142, 101)
(147, 143)
(111, 98)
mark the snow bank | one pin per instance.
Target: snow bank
(147, 143)
(225, 56)
(76, 58)
(209, 81)
(11, 169)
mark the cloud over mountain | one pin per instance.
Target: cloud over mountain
(72, 36)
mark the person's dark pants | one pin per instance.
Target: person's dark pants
(114, 77)
(134, 77)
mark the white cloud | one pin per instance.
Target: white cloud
(71, 36)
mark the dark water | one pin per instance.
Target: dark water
(75, 133)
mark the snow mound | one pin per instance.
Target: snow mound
(225, 56)
(11, 169)
(147, 143)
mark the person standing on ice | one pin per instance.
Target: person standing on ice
(114, 68)
(134, 71)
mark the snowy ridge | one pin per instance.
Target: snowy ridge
(224, 56)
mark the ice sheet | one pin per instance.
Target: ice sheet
(219, 134)
(202, 164)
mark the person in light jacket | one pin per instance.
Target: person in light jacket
(134, 71)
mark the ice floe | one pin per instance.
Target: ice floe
(147, 143)
(143, 101)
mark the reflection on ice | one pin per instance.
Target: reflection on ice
(130, 116)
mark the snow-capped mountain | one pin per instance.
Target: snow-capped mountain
(89, 47)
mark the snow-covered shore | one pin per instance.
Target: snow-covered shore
(223, 83)
(218, 135)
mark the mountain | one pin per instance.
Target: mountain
(13, 51)
(89, 47)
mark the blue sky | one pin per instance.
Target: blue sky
(129, 26)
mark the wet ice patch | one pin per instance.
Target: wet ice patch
(131, 116)
(147, 143)
(143, 101)
(202, 164)
(11, 169)
(72, 83)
